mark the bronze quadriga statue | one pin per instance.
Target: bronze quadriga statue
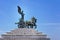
(26, 24)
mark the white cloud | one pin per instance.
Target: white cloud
(2, 31)
(49, 24)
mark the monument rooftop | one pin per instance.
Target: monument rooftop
(24, 31)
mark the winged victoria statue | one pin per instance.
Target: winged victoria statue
(26, 24)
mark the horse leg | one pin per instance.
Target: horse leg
(31, 26)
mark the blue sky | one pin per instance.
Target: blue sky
(47, 13)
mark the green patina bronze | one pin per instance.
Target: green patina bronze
(26, 24)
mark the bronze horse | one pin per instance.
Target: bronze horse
(27, 24)
(32, 23)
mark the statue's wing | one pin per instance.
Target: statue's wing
(19, 9)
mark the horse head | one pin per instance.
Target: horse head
(34, 20)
